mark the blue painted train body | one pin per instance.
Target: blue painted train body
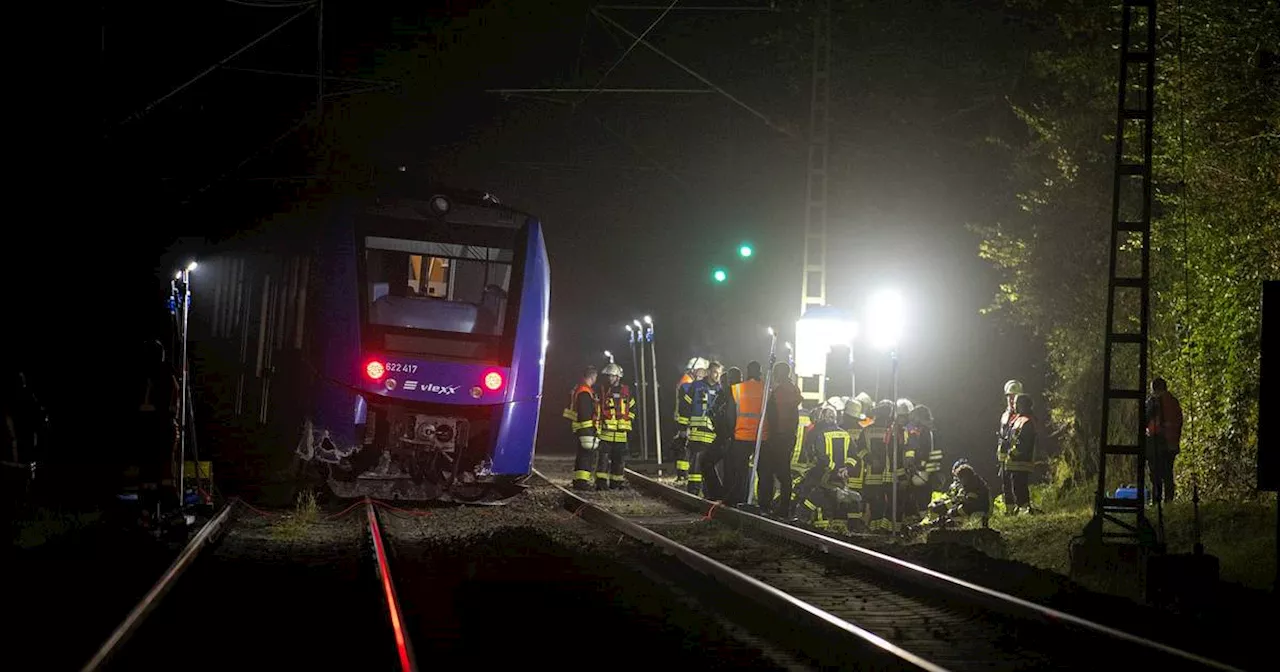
(396, 344)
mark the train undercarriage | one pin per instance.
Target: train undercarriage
(408, 455)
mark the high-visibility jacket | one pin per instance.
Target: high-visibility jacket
(581, 414)
(616, 411)
(702, 397)
(1022, 451)
(826, 446)
(926, 451)
(748, 398)
(1004, 435)
(684, 400)
(797, 457)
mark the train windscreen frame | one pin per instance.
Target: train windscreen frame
(471, 318)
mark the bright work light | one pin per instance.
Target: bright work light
(887, 316)
(821, 328)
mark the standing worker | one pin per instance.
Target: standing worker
(616, 409)
(694, 371)
(1021, 458)
(782, 421)
(748, 398)
(1012, 389)
(1164, 432)
(710, 464)
(581, 414)
(702, 428)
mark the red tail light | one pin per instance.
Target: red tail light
(493, 381)
(375, 370)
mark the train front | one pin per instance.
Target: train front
(453, 296)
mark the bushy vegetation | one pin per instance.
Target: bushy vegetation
(1215, 226)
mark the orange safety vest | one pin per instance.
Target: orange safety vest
(748, 398)
(571, 413)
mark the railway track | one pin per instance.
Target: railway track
(893, 614)
(236, 598)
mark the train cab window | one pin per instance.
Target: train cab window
(437, 286)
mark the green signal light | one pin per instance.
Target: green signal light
(745, 251)
(719, 275)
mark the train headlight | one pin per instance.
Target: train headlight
(493, 381)
(375, 370)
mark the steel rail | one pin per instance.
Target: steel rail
(408, 663)
(903, 570)
(782, 603)
(149, 601)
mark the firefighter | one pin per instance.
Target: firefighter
(822, 490)
(1012, 389)
(1021, 457)
(711, 464)
(920, 427)
(781, 423)
(748, 399)
(617, 407)
(702, 429)
(878, 482)
(581, 414)
(968, 496)
(798, 465)
(695, 370)
(907, 467)
(855, 462)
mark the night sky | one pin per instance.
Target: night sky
(641, 195)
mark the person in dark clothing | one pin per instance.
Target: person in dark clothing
(1164, 433)
(782, 421)
(970, 496)
(713, 457)
(1023, 437)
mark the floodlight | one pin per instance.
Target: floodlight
(887, 317)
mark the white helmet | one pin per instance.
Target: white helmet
(1013, 387)
(837, 404)
(699, 363)
(691, 365)
(866, 401)
(853, 408)
(612, 370)
(919, 478)
(905, 407)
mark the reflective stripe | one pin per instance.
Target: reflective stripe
(602, 475)
(682, 465)
(695, 478)
(582, 475)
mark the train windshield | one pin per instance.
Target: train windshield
(450, 287)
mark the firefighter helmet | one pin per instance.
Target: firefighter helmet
(699, 363)
(692, 364)
(853, 408)
(905, 407)
(1013, 387)
(866, 401)
(612, 370)
(959, 463)
(837, 404)
(919, 479)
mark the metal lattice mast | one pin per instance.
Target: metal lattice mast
(813, 283)
(1128, 296)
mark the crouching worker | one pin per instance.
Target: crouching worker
(968, 499)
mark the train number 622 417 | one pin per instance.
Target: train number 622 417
(402, 368)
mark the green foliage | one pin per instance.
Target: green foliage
(1215, 227)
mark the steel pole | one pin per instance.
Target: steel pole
(182, 399)
(644, 393)
(893, 426)
(657, 414)
(764, 407)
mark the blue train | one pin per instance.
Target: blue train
(391, 345)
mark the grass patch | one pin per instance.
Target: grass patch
(1240, 534)
(306, 511)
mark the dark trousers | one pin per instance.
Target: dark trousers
(710, 465)
(612, 463)
(584, 465)
(1160, 466)
(774, 467)
(737, 471)
(697, 464)
(680, 453)
(1016, 491)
